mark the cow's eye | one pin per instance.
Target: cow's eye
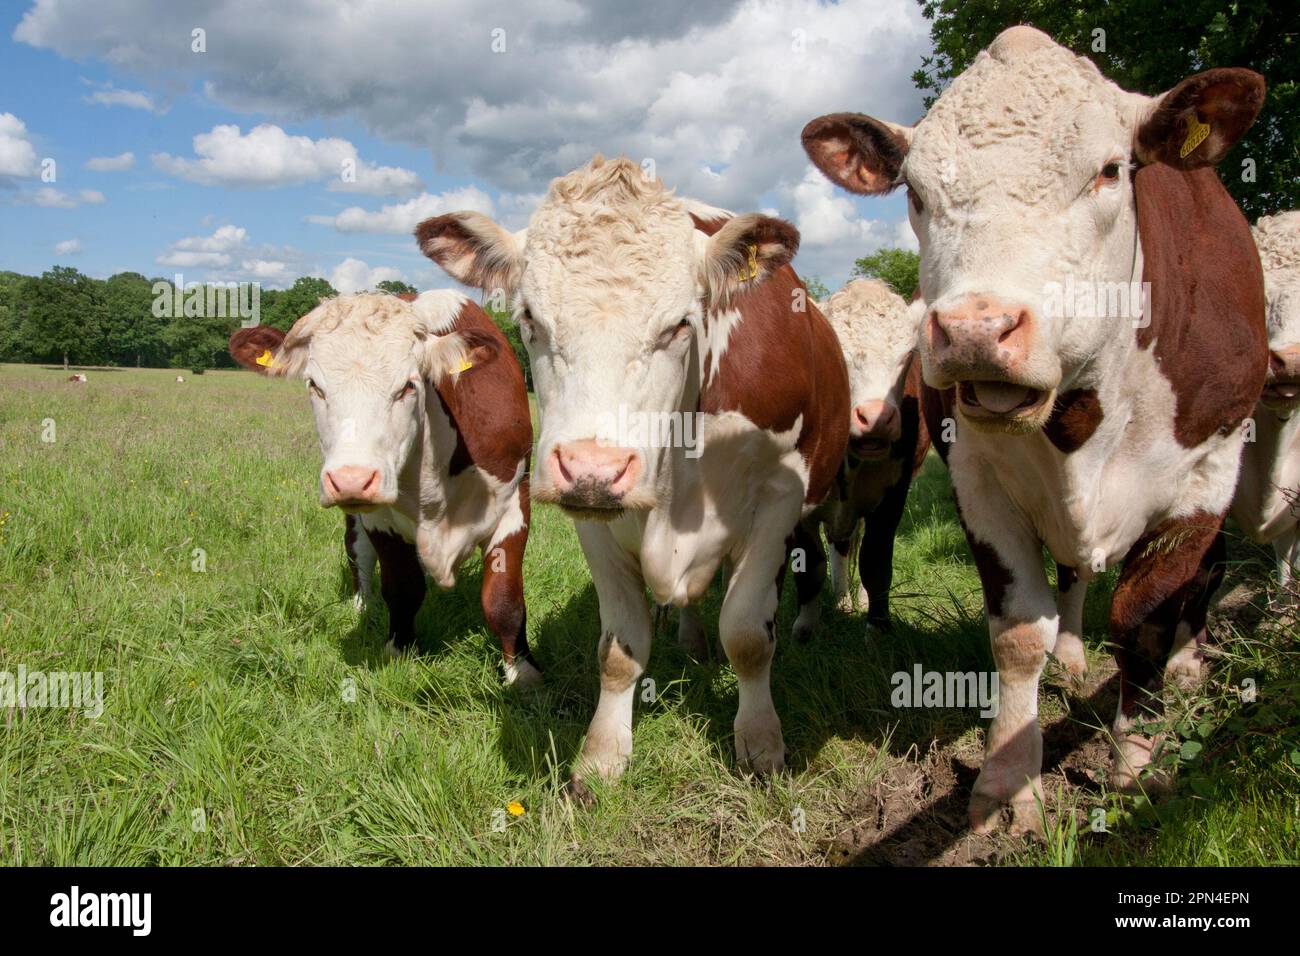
(677, 333)
(406, 391)
(315, 389)
(915, 200)
(1109, 174)
(526, 322)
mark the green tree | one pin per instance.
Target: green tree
(60, 313)
(1148, 46)
(897, 268)
(510, 329)
(12, 348)
(295, 302)
(816, 288)
(396, 287)
(132, 334)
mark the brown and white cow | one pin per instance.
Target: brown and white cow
(888, 443)
(1035, 185)
(425, 432)
(638, 307)
(1266, 505)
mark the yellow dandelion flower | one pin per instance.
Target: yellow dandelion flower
(515, 808)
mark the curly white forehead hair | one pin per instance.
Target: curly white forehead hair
(872, 321)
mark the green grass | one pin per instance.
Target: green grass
(226, 690)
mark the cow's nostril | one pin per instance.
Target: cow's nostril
(938, 336)
(1011, 325)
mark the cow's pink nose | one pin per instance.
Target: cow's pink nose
(593, 469)
(1284, 364)
(876, 419)
(352, 484)
(980, 334)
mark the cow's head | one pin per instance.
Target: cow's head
(371, 363)
(877, 331)
(1020, 191)
(1278, 239)
(610, 283)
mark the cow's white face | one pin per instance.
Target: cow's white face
(611, 282)
(369, 362)
(1021, 197)
(877, 331)
(1278, 239)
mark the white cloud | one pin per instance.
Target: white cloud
(354, 275)
(17, 155)
(133, 99)
(266, 156)
(111, 164)
(226, 255)
(714, 91)
(402, 218)
(67, 247)
(904, 237)
(50, 198)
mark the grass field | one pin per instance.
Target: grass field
(250, 716)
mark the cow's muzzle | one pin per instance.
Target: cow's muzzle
(353, 488)
(1282, 385)
(590, 480)
(873, 428)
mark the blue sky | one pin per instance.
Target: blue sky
(432, 116)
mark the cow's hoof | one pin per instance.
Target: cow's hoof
(1133, 773)
(522, 674)
(359, 603)
(576, 791)
(844, 604)
(1018, 817)
(880, 625)
(1185, 669)
(395, 652)
(1069, 653)
(760, 748)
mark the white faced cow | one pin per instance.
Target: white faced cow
(639, 309)
(1037, 188)
(1266, 504)
(888, 442)
(425, 431)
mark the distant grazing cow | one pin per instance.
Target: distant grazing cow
(1267, 504)
(425, 430)
(180, 378)
(645, 315)
(1039, 192)
(887, 446)
(77, 377)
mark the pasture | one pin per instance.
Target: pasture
(250, 716)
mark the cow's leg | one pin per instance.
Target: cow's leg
(1286, 551)
(1070, 595)
(623, 651)
(1022, 625)
(1159, 608)
(808, 565)
(502, 595)
(876, 555)
(361, 561)
(840, 583)
(690, 634)
(747, 627)
(401, 581)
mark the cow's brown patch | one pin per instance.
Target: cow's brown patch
(1207, 299)
(1075, 416)
(502, 593)
(937, 412)
(401, 581)
(783, 364)
(994, 575)
(618, 668)
(487, 404)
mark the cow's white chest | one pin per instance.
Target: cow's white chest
(713, 503)
(1089, 507)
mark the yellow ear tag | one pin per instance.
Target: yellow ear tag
(266, 359)
(751, 271)
(465, 366)
(1196, 133)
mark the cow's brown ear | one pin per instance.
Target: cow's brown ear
(459, 353)
(744, 252)
(473, 250)
(256, 348)
(1200, 119)
(860, 153)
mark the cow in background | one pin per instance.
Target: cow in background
(888, 443)
(1266, 505)
(640, 309)
(424, 427)
(1034, 183)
